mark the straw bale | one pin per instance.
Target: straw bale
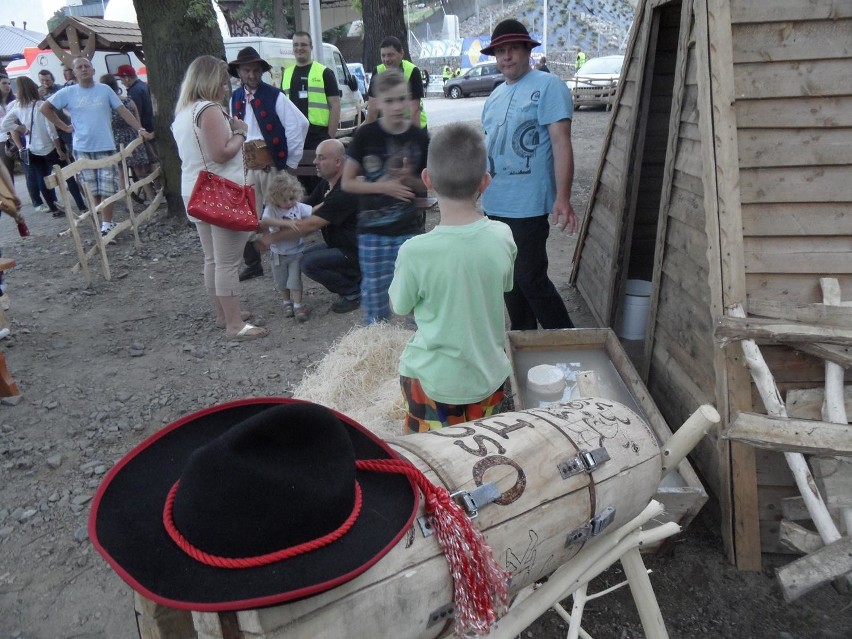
(358, 376)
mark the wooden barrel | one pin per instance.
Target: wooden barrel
(564, 476)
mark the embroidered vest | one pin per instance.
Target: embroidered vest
(318, 110)
(271, 128)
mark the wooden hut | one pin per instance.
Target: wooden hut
(725, 178)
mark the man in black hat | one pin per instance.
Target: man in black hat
(275, 138)
(527, 122)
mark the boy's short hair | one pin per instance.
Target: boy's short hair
(283, 187)
(388, 80)
(391, 41)
(456, 161)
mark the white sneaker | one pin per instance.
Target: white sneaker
(106, 227)
(42, 208)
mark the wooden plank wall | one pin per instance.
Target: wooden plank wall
(681, 375)
(791, 65)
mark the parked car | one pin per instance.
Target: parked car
(483, 78)
(357, 69)
(596, 83)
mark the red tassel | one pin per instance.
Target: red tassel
(480, 584)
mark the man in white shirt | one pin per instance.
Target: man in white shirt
(275, 138)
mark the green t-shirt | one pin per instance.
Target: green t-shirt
(453, 279)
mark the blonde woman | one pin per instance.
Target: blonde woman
(200, 112)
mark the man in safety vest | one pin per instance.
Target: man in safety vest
(446, 73)
(391, 52)
(312, 88)
(581, 60)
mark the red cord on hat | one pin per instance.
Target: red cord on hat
(218, 561)
(480, 584)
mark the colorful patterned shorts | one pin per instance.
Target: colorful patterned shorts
(423, 414)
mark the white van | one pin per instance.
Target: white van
(279, 53)
(105, 62)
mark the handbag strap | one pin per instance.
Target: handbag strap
(32, 126)
(195, 128)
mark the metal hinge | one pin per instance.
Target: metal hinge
(594, 528)
(471, 501)
(583, 462)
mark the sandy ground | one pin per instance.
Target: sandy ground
(101, 368)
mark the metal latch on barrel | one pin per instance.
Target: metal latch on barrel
(583, 462)
(471, 501)
(594, 528)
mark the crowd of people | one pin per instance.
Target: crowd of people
(489, 248)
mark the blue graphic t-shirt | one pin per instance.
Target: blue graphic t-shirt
(91, 115)
(520, 154)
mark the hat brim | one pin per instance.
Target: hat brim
(233, 67)
(125, 523)
(510, 39)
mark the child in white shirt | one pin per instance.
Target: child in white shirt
(283, 207)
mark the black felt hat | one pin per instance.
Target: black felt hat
(249, 55)
(223, 509)
(508, 32)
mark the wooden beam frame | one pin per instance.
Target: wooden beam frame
(793, 435)
(729, 329)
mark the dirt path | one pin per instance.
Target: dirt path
(100, 369)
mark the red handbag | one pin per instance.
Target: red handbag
(220, 201)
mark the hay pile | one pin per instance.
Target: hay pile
(358, 377)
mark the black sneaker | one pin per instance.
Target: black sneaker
(344, 305)
(249, 272)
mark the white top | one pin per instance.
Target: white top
(192, 162)
(40, 131)
(298, 212)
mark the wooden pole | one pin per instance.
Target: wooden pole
(585, 566)
(643, 594)
(834, 406)
(579, 603)
(688, 435)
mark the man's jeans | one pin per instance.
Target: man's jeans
(331, 268)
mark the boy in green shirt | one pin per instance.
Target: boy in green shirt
(453, 278)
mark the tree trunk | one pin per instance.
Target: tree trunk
(382, 18)
(279, 17)
(172, 39)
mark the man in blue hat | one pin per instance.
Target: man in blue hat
(527, 122)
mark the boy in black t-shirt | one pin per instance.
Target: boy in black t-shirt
(383, 167)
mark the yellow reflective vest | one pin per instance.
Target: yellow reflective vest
(407, 70)
(319, 112)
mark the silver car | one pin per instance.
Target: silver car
(596, 82)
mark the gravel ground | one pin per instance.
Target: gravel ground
(101, 368)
